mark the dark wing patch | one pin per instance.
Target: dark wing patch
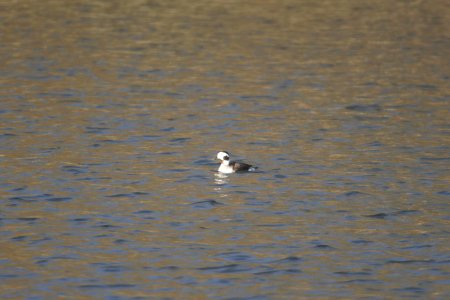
(238, 166)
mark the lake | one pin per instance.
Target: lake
(112, 113)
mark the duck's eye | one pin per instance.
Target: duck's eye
(226, 157)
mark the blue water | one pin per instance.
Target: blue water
(112, 115)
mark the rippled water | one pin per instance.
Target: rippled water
(112, 113)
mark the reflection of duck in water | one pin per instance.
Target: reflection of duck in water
(220, 179)
(228, 166)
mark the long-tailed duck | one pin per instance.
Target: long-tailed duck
(228, 166)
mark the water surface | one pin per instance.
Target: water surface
(112, 113)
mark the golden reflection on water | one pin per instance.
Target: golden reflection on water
(111, 110)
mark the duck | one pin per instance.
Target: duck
(228, 167)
